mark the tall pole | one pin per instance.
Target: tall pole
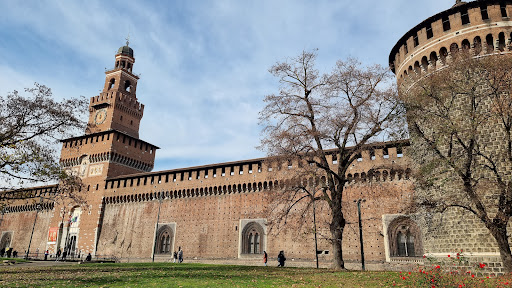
(33, 227)
(156, 228)
(360, 232)
(316, 240)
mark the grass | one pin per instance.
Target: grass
(193, 275)
(18, 260)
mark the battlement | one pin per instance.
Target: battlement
(118, 97)
(479, 28)
(386, 158)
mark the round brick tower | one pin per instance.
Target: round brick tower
(479, 28)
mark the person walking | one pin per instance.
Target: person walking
(265, 257)
(88, 258)
(175, 257)
(57, 256)
(64, 254)
(281, 259)
(46, 255)
(180, 255)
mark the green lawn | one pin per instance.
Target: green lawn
(192, 275)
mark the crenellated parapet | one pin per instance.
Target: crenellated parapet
(479, 28)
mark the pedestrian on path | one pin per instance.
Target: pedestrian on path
(180, 255)
(265, 257)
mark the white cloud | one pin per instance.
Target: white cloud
(203, 64)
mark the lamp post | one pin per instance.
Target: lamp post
(360, 230)
(314, 227)
(157, 220)
(38, 206)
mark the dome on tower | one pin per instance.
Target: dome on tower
(125, 50)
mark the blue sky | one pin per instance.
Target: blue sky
(203, 64)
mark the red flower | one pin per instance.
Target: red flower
(482, 265)
(438, 267)
(448, 255)
(424, 256)
(472, 275)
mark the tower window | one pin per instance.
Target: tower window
(406, 49)
(111, 83)
(446, 23)
(127, 86)
(430, 34)
(483, 11)
(464, 16)
(131, 122)
(503, 9)
(416, 41)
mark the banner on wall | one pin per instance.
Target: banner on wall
(52, 235)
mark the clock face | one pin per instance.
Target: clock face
(100, 116)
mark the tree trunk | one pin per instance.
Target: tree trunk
(337, 226)
(500, 234)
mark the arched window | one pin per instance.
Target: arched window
(252, 238)
(127, 86)
(433, 59)
(466, 45)
(477, 44)
(443, 52)
(111, 83)
(490, 45)
(164, 240)
(501, 41)
(404, 238)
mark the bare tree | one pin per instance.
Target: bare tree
(460, 119)
(30, 130)
(315, 117)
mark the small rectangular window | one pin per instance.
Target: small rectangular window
(372, 154)
(241, 170)
(174, 177)
(334, 159)
(385, 153)
(182, 176)
(446, 23)
(166, 178)
(131, 182)
(416, 41)
(214, 172)
(399, 152)
(145, 180)
(464, 17)
(259, 167)
(483, 11)
(232, 171)
(430, 33)
(206, 173)
(359, 157)
(198, 174)
(503, 9)
(406, 49)
(250, 168)
(223, 172)
(290, 166)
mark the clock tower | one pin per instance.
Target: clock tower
(111, 146)
(117, 107)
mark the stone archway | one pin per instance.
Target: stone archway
(164, 240)
(404, 238)
(252, 238)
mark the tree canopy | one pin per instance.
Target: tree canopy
(32, 125)
(315, 117)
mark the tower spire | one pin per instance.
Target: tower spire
(128, 39)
